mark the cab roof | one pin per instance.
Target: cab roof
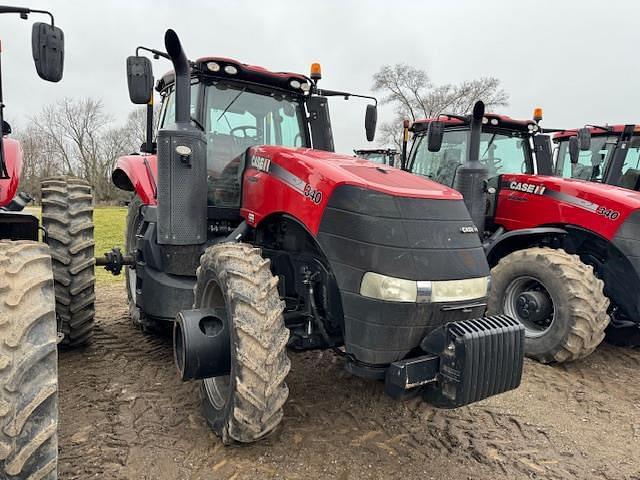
(244, 72)
(492, 119)
(595, 131)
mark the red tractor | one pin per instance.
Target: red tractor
(46, 292)
(564, 253)
(249, 241)
(606, 154)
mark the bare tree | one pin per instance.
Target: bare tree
(414, 96)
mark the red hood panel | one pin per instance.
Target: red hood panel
(13, 159)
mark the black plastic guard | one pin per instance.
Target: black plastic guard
(478, 358)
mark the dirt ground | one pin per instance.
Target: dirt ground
(126, 415)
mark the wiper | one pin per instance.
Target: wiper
(231, 103)
(493, 137)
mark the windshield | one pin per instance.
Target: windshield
(591, 164)
(631, 168)
(501, 152)
(374, 157)
(239, 117)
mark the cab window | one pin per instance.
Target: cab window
(631, 168)
(591, 163)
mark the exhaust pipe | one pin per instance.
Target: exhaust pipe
(201, 343)
(182, 164)
(471, 177)
(183, 75)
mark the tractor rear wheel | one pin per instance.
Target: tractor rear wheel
(557, 298)
(28, 363)
(245, 405)
(67, 216)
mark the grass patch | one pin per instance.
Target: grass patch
(110, 225)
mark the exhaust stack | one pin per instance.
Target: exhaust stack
(182, 163)
(471, 177)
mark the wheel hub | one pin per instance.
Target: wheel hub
(533, 306)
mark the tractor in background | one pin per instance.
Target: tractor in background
(565, 254)
(46, 292)
(383, 156)
(606, 154)
(249, 235)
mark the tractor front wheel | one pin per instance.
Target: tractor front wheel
(245, 405)
(28, 363)
(557, 298)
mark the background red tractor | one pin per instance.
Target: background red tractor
(46, 292)
(252, 242)
(565, 254)
(606, 154)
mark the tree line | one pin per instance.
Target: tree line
(77, 137)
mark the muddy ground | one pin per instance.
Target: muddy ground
(126, 415)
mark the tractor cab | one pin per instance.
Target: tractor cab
(607, 154)
(382, 156)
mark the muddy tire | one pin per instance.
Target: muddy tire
(28, 363)
(558, 299)
(246, 405)
(67, 216)
(134, 219)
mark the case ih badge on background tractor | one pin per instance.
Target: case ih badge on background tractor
(252, 241)
(565, 253)
(34, 315)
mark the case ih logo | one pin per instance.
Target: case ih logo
(533, 188)
(261, 163)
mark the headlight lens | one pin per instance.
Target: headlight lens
(459, 290)
(391, 289)
(383, 287)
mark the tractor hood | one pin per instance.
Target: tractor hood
(335, 169)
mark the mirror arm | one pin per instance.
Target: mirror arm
(346, 95)
(24, 12)
(156, 53)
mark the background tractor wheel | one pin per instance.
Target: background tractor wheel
(67, 216)
(28, 363)
(246, 405)
(134, 219)
(556, 297)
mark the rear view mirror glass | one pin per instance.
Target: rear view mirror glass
(139, 79)
(47, 43)
(370, 121)
(584, 139)
(574, 150)
(435, 133)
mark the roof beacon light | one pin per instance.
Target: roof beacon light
(316, 71)
(537, 114)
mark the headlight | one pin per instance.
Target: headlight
(391, 289)
(383, 287)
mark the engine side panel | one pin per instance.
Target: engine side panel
(13, 159)
(527, 201)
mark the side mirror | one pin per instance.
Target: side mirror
(47, 44)
(435, 132)
(574, 149)
(370, 121)
(139, 79)
(6, 128)
(584, 139)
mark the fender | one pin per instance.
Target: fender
(139, 174)
(13, 159)
(495, 248)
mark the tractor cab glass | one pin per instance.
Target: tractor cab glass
(501, 152)
(631, 167)
(591, 164)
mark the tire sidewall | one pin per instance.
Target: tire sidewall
(551, 340)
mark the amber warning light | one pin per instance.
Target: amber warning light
(316, 71)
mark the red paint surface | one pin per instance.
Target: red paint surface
(143, 182)
(517, 210)
(13, 160)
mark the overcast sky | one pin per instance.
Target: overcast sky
(575, 58)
